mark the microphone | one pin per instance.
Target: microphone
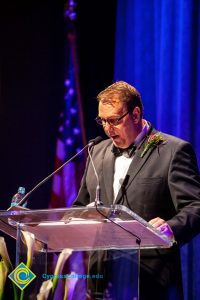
(98, 189)
(95, 141)
(90, 144)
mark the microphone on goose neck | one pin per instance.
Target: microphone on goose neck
(98, 189)
(95, 141)
(89, 145)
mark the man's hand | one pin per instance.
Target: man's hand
(162, 226)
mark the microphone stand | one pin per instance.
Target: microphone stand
(98, 189)
(91, 143)
(22, 201)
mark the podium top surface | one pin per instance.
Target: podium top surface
(85, 228)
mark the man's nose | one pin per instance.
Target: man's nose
(108, 128)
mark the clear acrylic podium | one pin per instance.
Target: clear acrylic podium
(111, 236)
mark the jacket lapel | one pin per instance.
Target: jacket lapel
(137, 163)
(108, 173)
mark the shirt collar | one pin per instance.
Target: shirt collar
(140, 136)
(131, 149)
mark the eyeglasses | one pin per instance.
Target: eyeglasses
(110, 121)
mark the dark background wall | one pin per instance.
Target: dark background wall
(96, 39)
(31, 85)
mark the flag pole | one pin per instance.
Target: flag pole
(70, 16)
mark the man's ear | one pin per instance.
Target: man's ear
(136, 114)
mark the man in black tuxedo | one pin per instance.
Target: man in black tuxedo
(163, 185)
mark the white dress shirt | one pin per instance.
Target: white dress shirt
(122, 163)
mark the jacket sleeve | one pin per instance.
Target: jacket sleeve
(184, 185)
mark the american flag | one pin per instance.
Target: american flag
(71, 134)
(71, 139)
(69, 142)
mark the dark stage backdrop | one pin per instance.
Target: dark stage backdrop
(31, 90)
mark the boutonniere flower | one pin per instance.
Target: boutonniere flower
(153, 140)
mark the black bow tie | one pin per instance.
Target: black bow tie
(126, 152)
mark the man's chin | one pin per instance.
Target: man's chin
(117, 143)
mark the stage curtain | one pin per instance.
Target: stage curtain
(158, 51)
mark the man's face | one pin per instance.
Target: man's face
(125, 132)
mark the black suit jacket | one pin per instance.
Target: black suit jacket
(164, 183)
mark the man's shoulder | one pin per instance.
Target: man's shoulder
(167, 138)
(173, 139)
(174, 143)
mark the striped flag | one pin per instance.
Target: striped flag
(71, 138)
(71, 135)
